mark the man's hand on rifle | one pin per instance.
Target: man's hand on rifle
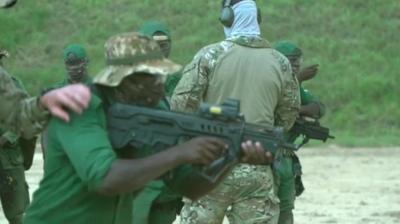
(200, 150)
(254, 153)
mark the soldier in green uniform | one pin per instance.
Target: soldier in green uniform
(310, 107)
(156, 203)
(14, 193)
(76, 62)
(82, 171)
(162, 35)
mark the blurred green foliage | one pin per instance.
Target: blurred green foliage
(356, 44)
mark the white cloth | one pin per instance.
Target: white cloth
(245, 23)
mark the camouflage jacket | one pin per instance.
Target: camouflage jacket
(247, 69)
(10, 153)
(19, 113)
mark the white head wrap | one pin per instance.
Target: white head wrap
(245, 23)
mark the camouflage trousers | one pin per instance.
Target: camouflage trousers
(15, 202)
(246, 196)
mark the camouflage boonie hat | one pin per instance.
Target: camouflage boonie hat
(129, 53)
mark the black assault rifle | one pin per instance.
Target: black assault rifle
(308, 128)
(140, 127)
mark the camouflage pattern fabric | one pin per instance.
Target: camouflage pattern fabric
(19, 113)
(246, 196)
(16, 199)
(15, 202)
(190, 90)
(130, 53)
(211, 77)
(194, 86)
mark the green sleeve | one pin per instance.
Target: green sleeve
(164, 104)
(172, 82)
(306, 96)
(84, 139)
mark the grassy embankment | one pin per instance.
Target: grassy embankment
(355, 42)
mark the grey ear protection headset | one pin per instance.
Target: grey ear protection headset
(228, 16)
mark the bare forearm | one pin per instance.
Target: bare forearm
(311, 110)
(130, 175)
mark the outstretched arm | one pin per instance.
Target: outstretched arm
(27, 116)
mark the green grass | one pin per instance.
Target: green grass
(355, 42)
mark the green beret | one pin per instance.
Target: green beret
(74, 53)
(288, 48)
(150, 28)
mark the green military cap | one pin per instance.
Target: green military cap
(74, 53)
(130, 53)
(288, 48)
(152, 27)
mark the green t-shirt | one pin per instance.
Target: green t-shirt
(171, 83)
(78, 157)
(306, 96)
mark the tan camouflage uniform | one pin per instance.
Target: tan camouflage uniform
(19, 113)
(261, 78)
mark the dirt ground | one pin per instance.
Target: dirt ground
(346, 186)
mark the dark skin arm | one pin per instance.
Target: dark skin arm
(253, 154)
(308, 73)
(310, 110)
(314, 109)
(130, 175)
